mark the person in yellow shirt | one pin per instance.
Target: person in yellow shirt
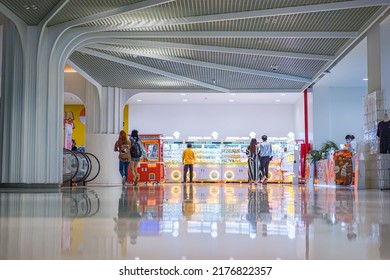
(188, 159)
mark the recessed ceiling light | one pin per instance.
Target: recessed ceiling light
(232, 94)
(231, 100)
(277, 100)
(283, 94)
(185, 100)
(182, 94)
(139, 100)
(365, 79)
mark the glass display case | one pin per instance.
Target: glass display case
(208, 160)
(234, 161)
(173, 149)
(226, 161)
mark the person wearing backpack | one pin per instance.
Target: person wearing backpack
(137, 151)
(122, 145)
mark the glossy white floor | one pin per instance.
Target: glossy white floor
(195, 222)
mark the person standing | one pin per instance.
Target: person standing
(122, 145)
(188, 159)
(383, 132)
(74, 146)
(353, 144)
(253, 154)
(137, 151)
(265, 157)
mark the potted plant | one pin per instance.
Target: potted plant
(328, 146)
(317, 155)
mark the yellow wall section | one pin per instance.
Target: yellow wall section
(126, 119)
(79, 130)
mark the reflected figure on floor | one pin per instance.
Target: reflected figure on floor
(129, 217)
(188, 205)
(258, 211)
(345, 211)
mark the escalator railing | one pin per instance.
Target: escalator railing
(79, 168)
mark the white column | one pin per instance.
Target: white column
(31, 114)
(101, 143)
(112, 113)
(12, 104)
(92, 106)
(374, 59)
(376, 166)
(385, 58)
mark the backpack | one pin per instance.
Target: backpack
(124, 152)
(135, 150)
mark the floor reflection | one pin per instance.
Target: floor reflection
(195, 221)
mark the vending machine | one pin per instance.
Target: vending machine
(152, 170)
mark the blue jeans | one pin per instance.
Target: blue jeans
(124, 168)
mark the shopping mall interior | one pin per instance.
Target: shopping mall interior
(215, 74)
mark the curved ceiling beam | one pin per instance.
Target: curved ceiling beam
(261, 13)
(222, 34)
(114, 12)
(207, 48)
(203, 63)
(150, 69)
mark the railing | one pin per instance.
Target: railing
(79, 167)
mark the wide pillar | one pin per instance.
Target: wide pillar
(376, 166)
(105, 118)
(31, 118)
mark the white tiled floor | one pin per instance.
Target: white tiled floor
(198, 221)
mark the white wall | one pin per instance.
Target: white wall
(200, 120)
(336, 113)
(299, 119)
(76, 84)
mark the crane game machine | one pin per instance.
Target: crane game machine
(152, 171)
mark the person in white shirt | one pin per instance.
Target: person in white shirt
(353, 144)
(265, 157)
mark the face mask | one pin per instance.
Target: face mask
(348, 141)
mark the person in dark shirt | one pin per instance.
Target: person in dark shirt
(383, 132)
(74, 147)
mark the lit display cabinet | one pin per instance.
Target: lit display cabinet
(285, 160)
(226, 161)
(207, 165)
(173, 149)
(234, 161)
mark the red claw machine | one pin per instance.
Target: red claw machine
(152, 171)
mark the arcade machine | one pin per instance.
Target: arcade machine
(152, 171)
